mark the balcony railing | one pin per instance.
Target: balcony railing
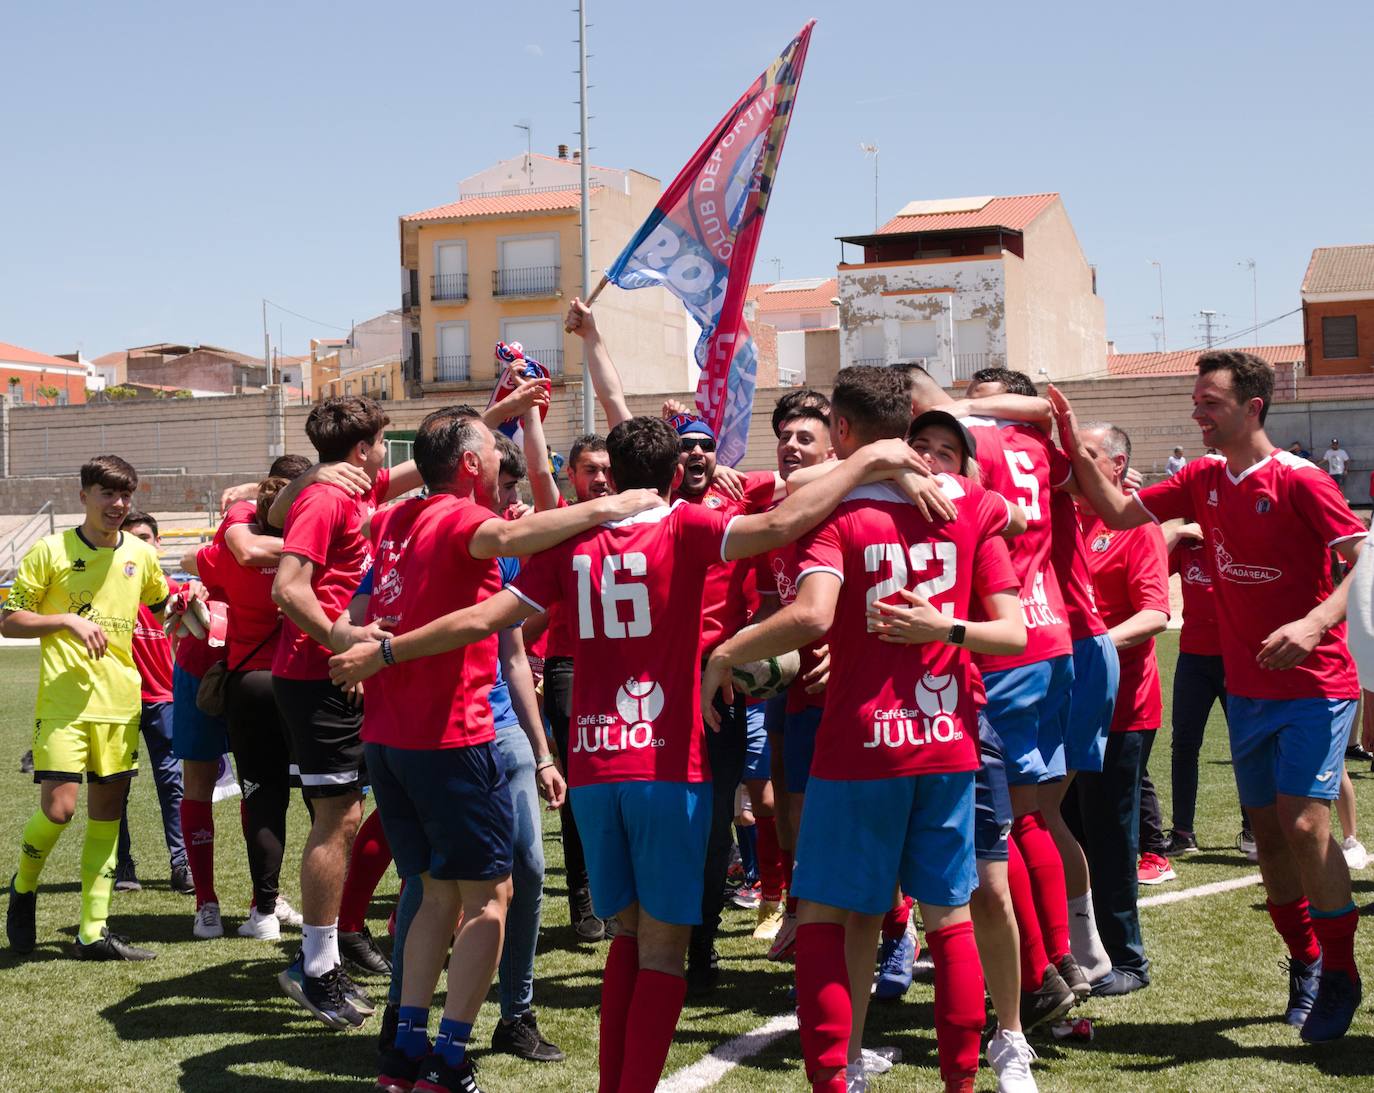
(965, 364)
(452, 368)
(448, 286)
(552, 359)
(527, 281)
(789, 377)
(872, 361)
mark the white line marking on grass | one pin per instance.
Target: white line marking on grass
(707, 1071)
(1213, 889)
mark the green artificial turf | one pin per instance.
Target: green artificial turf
(208, 1016)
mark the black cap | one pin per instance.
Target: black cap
(949, 421)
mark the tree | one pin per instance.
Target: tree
(182, 393)
(121, 392)
(48, 392)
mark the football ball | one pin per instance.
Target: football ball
(765, 678)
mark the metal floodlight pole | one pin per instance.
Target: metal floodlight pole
(588, 402)
(1163, 330)
(267, 343)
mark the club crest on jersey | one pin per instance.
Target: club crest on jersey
(1212, 498)
(931, 722)
(638, 703)
(1102, 542)
(712, 501)
(1263, 505)
(130, 569)
(1228, 569)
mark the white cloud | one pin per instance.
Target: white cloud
(534, 50)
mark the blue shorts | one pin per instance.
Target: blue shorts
(446, 811)
(1026, 707)
(196, 735)
(757, 758)
(859, 839)
(799, 747)
(1291, 746)
(992, 815)
(775, 714)
(645, 843)
(1096, 675)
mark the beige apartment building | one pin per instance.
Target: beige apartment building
(975, 282)
(502, 263)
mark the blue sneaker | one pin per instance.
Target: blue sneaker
(1338, 997)
(323, 996)
(895, 962)
(1302, 989)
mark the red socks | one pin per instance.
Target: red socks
(959, 1009)
(198, 829)
(617, 989)
(824, 1007)
(1336, 933)
(770, 857)
(1046, 870)
(1033, 958)
(1294, 925)
(894, 922)
(654, 1012)
(366, 865)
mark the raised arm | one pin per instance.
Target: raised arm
(498, 538)
(610, 392)
(1118, 510)
(1028, 408)
(528, 392)
(543, 488)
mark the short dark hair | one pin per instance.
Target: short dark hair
(1251, 377)
(440, 441)
(268, 489)
(336, 425)
(587, 442)
(137, 517)
(1016, 383)
(875, 401)
(512, 458)
(643, 453)
(289, 467)
(109, 471)
(803, 403)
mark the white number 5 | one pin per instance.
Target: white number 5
(1023, 474)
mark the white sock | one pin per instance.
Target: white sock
(320, 945)
(1084, 942)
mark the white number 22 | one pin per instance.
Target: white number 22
(919, 556)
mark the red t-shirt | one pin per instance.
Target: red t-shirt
(152, 654)
(1270, 531)
(1130, 572)
(776, 575)
(558, 642)
(325, 526)
(424, 571)
(896, 710)
(634, 592)
(1069, 556)
(253, 617)
(1191, 559)
(726, 603)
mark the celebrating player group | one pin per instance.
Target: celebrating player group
(913, 667)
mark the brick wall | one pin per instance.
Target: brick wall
(156, 492)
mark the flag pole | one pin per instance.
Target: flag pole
(588, 400)
(591, 298)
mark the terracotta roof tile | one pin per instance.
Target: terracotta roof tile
(17, 354)
(502, 205)
(1015, 213)
(1184, 361)
(1341, 269)
(771, 298)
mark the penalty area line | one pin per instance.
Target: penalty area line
(1213, 889)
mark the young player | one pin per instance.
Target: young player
(1270, 520)
(79, 592)
(636, 764)
(891, 791)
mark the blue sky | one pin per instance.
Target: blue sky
(165, 166)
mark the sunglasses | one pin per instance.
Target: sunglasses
(705, 443)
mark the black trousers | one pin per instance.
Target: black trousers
(558, 683)
(726, 750)
(262, 759)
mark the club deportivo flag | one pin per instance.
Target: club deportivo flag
(507, 354)
(700, 240)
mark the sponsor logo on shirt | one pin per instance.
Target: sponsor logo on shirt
(1035, 608)
(1196, 573)
(787, 588)
(1238, 572)
(638, 703)
(79, 565)
(389, 589)
(931, 722)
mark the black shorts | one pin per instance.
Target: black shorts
(323, 730)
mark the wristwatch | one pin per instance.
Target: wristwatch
(956, 634)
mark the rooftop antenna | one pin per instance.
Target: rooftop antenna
(528, 126)
(777, 269)
(871, 149)
(1163, 332)
(1249, 263)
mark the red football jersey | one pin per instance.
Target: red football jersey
(152, 654)
(1270, 530)
(1191, 559)
(1130, 572)
(1033, 468)
(253, 617)
(325, 525)
(776, 575)
(634, 592)
(424, 571)
(1069, 556)
(895, 710)
(558, 641)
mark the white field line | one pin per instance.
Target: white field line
(707, 1071)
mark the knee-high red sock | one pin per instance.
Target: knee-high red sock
(1033, 958)
(198, 829)
(824, 1006)
(366, 865)
(896, 918)
(770, 857)
(1294, 924)
(617, 989)
(1046, 870)
(959, 1010)
(654, 1012)
(1336, 933)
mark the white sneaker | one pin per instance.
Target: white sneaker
(785, 943)
(288, 915)
(207, 924)
(1356, 856)
(1010, 1058)
(880, 1061)
(855, 1080)
(1246, 845)
(260, 927)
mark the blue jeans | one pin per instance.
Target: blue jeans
(156, 723)
(516, 970)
